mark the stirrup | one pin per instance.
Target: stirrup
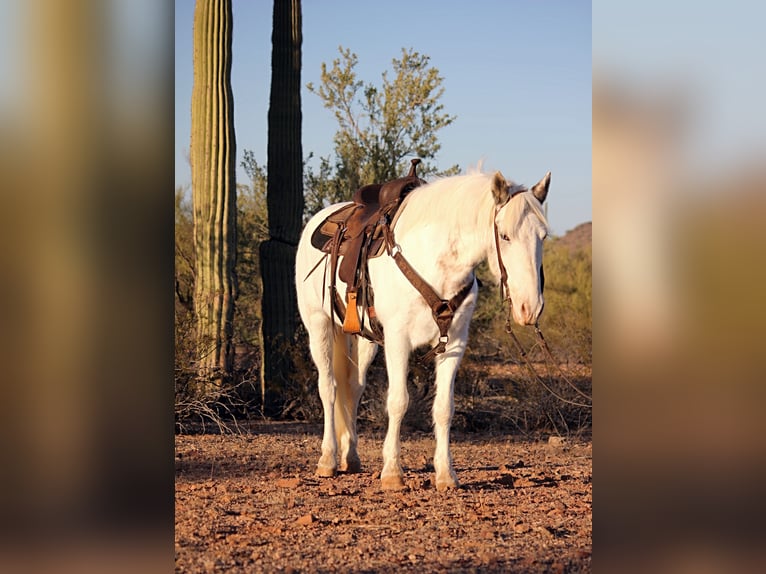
(351, 323)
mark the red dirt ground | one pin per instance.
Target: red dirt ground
(251, 503)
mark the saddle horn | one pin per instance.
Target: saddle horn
(414, 163)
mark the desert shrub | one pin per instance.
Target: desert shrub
(252, 230)
(567, 318)
(299, 391)
(221, 410)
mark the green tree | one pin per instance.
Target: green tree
(284, 199)
(379, 127)
(212, 155)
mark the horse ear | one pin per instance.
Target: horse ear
(540, 190)
(499, 189)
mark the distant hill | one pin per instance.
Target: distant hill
(578, 238)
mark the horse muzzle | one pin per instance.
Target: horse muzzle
(526, 313)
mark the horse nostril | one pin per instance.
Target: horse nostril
(523, 309)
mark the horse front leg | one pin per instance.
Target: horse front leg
(397, 357)
(443, 410)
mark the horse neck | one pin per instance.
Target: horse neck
(454, 216)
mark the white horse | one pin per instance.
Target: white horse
(446, 228)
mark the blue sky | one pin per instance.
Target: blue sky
(517, 74)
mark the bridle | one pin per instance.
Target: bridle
(505, 293)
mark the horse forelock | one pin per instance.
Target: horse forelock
(518, 209)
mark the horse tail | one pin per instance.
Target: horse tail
(342, 365)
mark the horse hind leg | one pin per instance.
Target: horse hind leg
(350, 364)
(321, 343)
(342, 369)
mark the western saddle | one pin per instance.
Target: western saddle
(361, 231)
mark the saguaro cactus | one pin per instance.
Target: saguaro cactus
(284, 196)
(214, 190)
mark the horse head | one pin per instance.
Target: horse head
(520, 228)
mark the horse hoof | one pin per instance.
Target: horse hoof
(325, 471)
(351, 466)
(449, 484)
(393, 482)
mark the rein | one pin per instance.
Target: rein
(537, 378)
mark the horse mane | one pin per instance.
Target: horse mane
(454, 201)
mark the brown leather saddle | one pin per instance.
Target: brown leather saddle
(355, 233)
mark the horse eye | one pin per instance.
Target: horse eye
(504, 237)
